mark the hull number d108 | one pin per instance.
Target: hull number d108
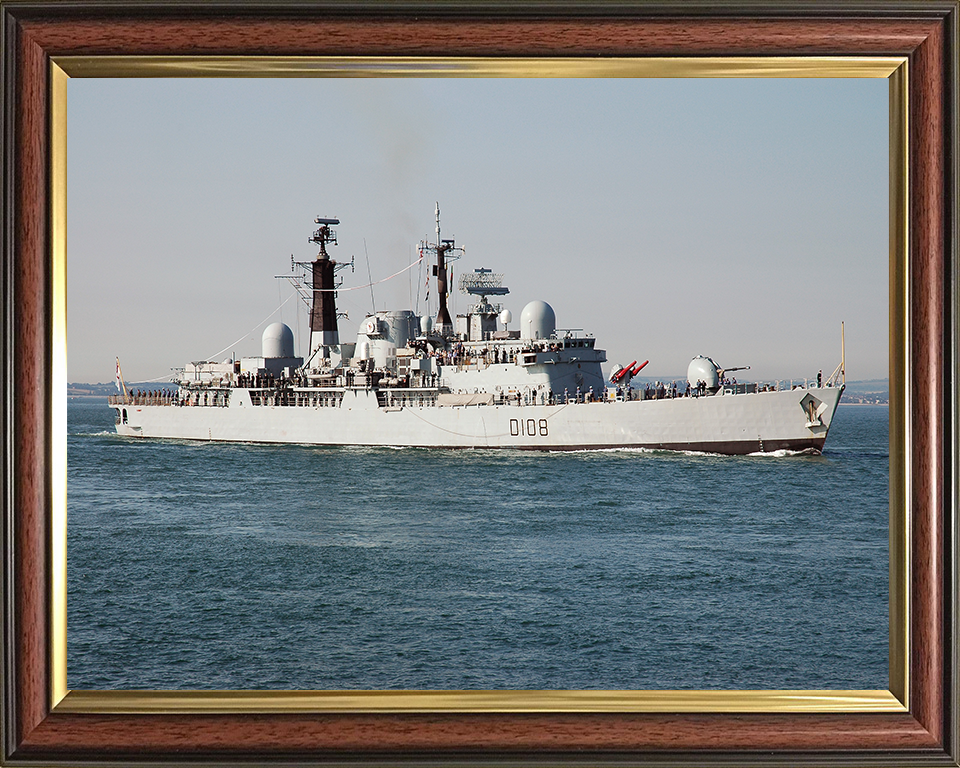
(528, 427)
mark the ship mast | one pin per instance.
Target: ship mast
(317, 284)
(323, 312)
(446, 251)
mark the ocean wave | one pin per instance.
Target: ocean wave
(786, 452)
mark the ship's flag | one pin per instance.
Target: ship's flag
(121, 387)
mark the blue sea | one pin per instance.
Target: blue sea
(234, 566)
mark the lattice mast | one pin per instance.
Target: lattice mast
(446, 251)
(323, 313)
(317, 284)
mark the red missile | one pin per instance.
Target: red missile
(639, 368)
(622, 372)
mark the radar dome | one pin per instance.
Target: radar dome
(703, 369)
(277, 341)
(506, 317)
(537, 321)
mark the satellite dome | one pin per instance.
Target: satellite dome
(703, 369)
(506, 317)
(537, 321)
(277, 341)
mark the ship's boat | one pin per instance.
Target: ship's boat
(472, 382)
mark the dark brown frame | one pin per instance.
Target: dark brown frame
(34, 733)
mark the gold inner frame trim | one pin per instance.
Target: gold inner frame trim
(414, 66)
(58, 382)
(386, 702)
(895, 69)
(900, 394)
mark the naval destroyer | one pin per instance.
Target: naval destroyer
(466, 382)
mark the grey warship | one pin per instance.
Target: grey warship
(466, 382)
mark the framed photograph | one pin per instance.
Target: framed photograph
(910, 46)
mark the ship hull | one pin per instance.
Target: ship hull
(761, 422)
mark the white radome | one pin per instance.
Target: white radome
(537, 321)
(277, 341)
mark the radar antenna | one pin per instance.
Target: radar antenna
(301, 276)
(482, 283)
(324, 235)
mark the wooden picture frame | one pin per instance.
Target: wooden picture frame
(916, 723)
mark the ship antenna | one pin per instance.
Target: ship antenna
(373, 303)
(446, 252)
(843, 361)
(482, 283)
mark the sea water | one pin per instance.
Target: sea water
(236, 566)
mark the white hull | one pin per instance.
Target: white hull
(723, 423)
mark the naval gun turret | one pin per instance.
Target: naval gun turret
(704, 369)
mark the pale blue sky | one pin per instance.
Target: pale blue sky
(740, 219)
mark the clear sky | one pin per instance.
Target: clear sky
(739, 219)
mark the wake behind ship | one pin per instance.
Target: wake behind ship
(412, 380)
